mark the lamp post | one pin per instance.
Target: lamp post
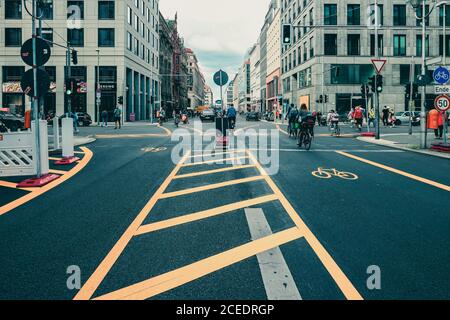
(97, 92)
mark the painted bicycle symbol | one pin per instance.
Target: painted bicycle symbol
(154, 150)
(322, 173)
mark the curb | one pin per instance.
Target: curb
(89, 140)
(393, 146)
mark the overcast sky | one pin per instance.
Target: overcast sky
(219, 31)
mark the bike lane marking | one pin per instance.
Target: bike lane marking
(397, 171)
(344, 284)
(34, 193)
(202, 173)
(277, 277)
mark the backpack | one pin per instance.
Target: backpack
(358, 114)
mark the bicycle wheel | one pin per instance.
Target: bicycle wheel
(300, 139)
(347, 176)
(321, 174)
(307, 142)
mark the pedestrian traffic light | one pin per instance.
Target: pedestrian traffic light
(74, 57)
(287, 34)
(120, 100)
(379, 83)
(372, 84)
(414, 89)
(320, 99)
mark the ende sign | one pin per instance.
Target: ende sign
(442, 89)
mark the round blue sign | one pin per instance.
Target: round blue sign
(441, 75)
(221, 78)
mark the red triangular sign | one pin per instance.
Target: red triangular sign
(379, 64)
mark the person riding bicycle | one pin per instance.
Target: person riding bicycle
(306, 119)
(231, 114)
(333, 119)
(292, 117)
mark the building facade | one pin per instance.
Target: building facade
(196, 81)
(229, 94)
(166, 49)
(121, 37)
(334, 43)
(244, 87)
(255, 78)
(209, 96)
(273, 83)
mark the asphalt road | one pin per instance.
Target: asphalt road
(134, 219)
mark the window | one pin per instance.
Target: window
(13, 9)
(419, 45)
(353, 15)
(106, 37)
(419, 14)
(13, 37)
(129, 16)
(447, 15)
(441, 45)
(75, 9)
(106, 10)
(399, 45)
(350, 73)
(353, 45)
(46, 9)
(129, 41)
(75, 37)
(330, 14)
(47, 34)
(330, 44)
(399, 15)
(380, 45)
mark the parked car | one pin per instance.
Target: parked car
(269, 116)
(208, 114)
(253, 116)
(405, 118)
(84, 119)
(12, 121)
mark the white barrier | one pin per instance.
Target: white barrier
(56, 142)
(17, 152)
(67, 138)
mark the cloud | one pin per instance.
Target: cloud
(220, 32)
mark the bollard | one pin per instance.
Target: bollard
(67, 143)
(56, 142)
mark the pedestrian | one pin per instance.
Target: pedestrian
(358, 116)
(75, 122)
(118, 117)
(436, 122)
(372, 117)
(392, 118)
(351, 118)
(385, 113)
(319, 118)
(104, 118)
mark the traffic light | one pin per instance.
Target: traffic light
(320, 99)
(379, 83)
(372, 84)
(364, 90)
(70, 86)
(74, 57)
(120, 100)
(326, 98)
(415, 91)
(287, 34)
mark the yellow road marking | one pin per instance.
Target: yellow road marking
(12, 185)
(400, 172)
(210, 187)
(32, 195)
(173, 279)
(204, 214)
(336, 273)
(202, 173)
(123, 136)
(168, 131)
(223, 160)
(105, 266)
(210, 155)
(57, 172)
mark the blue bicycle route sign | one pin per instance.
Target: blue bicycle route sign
(441, 75)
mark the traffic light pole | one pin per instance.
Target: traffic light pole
(423, 118)
(377, 55)
(69, 76)
(411, 94)
(35, 99)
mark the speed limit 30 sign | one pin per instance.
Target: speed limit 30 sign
(442, 103)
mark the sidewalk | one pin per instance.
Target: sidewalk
(406, 142)
(78, 141)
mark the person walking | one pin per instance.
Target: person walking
(104, 118)
(75, 122)
(118, 118)
(372, 117)
(436, 123)
(359, 117)
(385, 114)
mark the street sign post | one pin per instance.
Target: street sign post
(43, 52)
(379, 64)
(221, 79)
(441, 75)
(442, 103)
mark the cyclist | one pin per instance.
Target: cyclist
(333, 120)
(307, 122)
(292, 117)
(231, 114)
